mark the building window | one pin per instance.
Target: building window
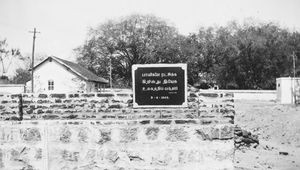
(96, 86)
(50, 85)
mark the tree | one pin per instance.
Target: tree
(252, 56)
(240, 56)
(248, 56)
(7, 56)
(136, 39)
(22, 76)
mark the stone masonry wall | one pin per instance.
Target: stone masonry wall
(103, 131)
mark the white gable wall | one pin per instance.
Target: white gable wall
(288, 90)
(64, 80)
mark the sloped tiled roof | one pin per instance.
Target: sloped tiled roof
(76, 69)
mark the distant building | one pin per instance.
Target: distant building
(288, 90)
(55, 75)
(12, 88)
(7, 88)
(4, 80)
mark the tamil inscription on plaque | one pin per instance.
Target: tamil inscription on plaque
(159, 85)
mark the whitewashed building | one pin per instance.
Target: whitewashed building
(288, 90)
(55, 75)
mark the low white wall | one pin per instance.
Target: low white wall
(249, 94)
(12, 88)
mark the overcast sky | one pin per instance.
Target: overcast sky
(64, 23)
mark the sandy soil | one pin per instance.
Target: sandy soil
(278, 129)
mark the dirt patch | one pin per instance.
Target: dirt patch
(278, 129)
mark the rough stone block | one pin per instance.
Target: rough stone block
(38, 153)
(73, 95)
(121, 117)
(13, 96)
(227, 132)
(105, 136)
(215, 133)
(192, 99)
(229, 95)
(57, 95)
(152, 133)
(31, 135)
(79, 105)
(14, 101)
(206, 121)
(88, 95)
(71, 116)
(162, 122)
(43, 96)
(162, 158)
(5, 101)
(83, 135)
(25, 95)
(128, 135)
(67, 101)
(129, 101)
(192, 94)
(58, 101)
(143, 122)
(27, 101)
(177, 134)
(182, 156)
(105, 95)
(41, 106)
(116, 106)
(185, 121)
(7, 113)
(135, 156)
(123, 94)
(94, 101)
(90, 155)
(65, 135)
(112, 156)
(70, 156)
(50, 117)
(213, 95)
(202, 134)
(166, 116)
(83, 100)
(40, 111)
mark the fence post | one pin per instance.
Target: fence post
(20, 107)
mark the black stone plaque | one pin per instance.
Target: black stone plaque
(159, 85)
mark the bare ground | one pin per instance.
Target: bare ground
(278, 129)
